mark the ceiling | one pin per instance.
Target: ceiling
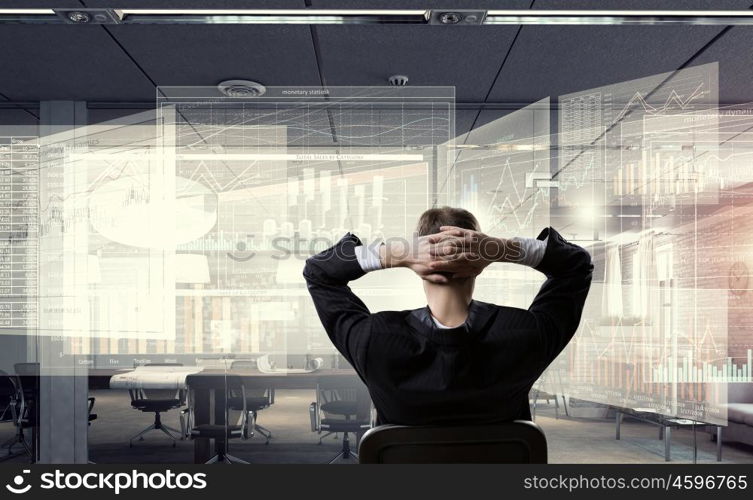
(496, 67)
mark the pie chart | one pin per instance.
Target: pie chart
(131, 211)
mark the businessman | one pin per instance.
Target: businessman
(457, 360)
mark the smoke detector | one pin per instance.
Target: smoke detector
(241, 88)
(398, 80)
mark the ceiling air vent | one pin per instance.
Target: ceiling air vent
(398, 80)
(241, 88)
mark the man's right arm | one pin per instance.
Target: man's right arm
(559, 304)
(415, 256)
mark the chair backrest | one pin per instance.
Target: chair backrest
(155, 394)
(344, 388)
(520, 441)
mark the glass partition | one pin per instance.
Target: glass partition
(151, 264)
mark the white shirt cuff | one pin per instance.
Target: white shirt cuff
(533, 250)
(368, 256)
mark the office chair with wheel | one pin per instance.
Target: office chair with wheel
(551, 379)
(515, 442)
(27, 383)
(13, 410)
(223, 387)
(8, 394)
(257, 399)
(342, 405)
(90, 406)
(157, 401)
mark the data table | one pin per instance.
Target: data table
(19, 232)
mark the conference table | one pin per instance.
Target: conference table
(209, 405)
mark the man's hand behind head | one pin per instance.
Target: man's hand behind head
(416, 256)
(452, 253)
(464, 252)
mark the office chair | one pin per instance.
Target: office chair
(7, 396)
(13, 406)
(91, 416)
(257, 399)
(536, 393)
(27, 383)
(27, 375)
(342, 405)
(158, 401)
(223, 386)
(515, 442)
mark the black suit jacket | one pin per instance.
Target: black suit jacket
(479, 372)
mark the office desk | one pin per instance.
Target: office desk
(99, 378)
(665, 424)
(209, 406)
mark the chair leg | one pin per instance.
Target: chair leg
(9, 443)
(253, 417)
(173, 438)
(556, 407)
(225, 458)
(535, 401)
(234, 460)
(26, 448)
(140, 435)
(248, 429)
(324, 436)
(183, 427)
(172, 430)
(266, 433)
(346, 453)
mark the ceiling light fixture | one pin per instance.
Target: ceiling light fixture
(455, 17)
(89, 16)
(620, 17)
(273, 16)
(31, 12)
(450, 18)
(79, 17)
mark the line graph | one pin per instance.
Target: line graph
(673, 102)
(645, 161)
